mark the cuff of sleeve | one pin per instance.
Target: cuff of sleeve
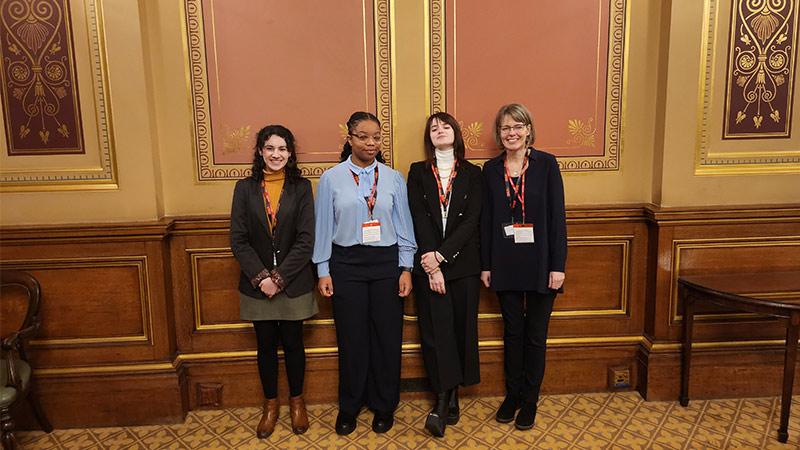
(323, 270)
(277, 278)
(406, 259)
(256, 281)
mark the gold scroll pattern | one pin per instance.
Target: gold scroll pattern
(760, 68)
(40, 96)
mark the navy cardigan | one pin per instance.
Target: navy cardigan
(524, 267)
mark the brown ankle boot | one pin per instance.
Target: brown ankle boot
(297, 410)
(268, 419)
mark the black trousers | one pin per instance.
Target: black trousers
(526, 316)
(290, 334)
(369, 327)
(448, 328)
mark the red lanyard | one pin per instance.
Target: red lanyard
(272, 216)
(444, 196)
(373, 195)
(518, 188)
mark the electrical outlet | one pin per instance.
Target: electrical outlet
(619, 378)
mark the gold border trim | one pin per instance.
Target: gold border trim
(616, 82)
(103, 177)
(710, 163)
(755, 241)
(139, 262)
(197, 87)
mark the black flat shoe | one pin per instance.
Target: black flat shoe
(508, 409)
(382, 423)
(436, 421)
(526, 416)
(345, 424)
(453, 410)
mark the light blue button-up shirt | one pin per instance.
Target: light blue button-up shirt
(340, 209)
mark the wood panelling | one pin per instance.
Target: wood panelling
(156, 306)
(745, 346)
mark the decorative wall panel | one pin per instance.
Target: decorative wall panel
(39, 91)
(745, 90)
(761, 67)
(533, 53)
(307, 65)
(49, 48)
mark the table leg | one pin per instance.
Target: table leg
(788, 375)
(686, 350)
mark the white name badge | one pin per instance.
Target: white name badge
(508, 230)
(371, 231)
(523, 233)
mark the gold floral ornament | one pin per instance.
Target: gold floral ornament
(583, 133)
(762, 65)
(39, 78)
(235, 139)
(472, 134)
(343, 132)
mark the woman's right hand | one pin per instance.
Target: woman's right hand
(325, 286)
(486, 277)
(436, 281)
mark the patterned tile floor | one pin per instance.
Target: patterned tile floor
(580, 421)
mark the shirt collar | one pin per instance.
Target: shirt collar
(361, 170)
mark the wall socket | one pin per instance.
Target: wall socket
(619, 377)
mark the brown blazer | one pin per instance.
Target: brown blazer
(252, 244)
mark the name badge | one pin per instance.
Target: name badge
(371, 231)
(523, 233)
(508, 230)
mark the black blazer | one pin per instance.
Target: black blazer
(459, 246)
(251, 242)
(524, 267)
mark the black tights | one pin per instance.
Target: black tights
(290, 333)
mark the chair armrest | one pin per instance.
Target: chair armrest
(13, 341)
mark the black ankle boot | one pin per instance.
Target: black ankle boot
(453, 410)
(437, 419)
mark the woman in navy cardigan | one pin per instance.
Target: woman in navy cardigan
(523, 254)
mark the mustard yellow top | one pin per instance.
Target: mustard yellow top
(273, 182)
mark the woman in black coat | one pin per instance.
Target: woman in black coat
(272, 237)
(444, 193)
(523, 254)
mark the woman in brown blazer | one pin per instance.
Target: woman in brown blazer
(272, 237)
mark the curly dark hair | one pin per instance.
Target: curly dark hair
(292, 171)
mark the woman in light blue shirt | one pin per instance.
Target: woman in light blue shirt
(364, 252)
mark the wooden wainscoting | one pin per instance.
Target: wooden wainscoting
(140, 321)
(735, 354)
(107, 338)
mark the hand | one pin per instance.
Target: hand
(486, 277)
(325, 286)
(404, 284)
(556, 280)
(268, 287)
(436, 281)
(429, 262)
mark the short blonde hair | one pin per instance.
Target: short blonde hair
(519, 113)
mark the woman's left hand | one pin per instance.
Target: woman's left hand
(269, 288)
(556, 280)
(404, 284)
(429, 262)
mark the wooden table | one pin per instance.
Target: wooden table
(734, 291)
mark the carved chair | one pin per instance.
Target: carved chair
(15, 370)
